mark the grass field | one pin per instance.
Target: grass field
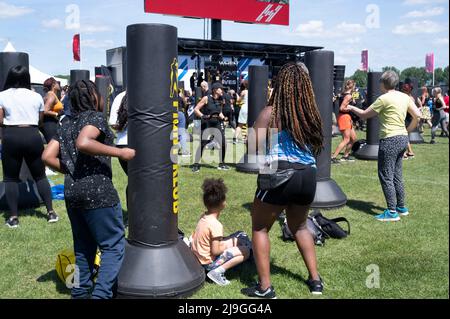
(412, 256)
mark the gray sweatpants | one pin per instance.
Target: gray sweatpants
(390, 170)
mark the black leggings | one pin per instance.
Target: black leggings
(219, 127)
(49, 128)
(23, 144)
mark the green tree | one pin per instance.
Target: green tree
(391, 68)
(441, 76)
(360, 77)
(420, 74)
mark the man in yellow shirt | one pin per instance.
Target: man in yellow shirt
(391, 108)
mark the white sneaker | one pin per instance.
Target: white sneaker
(218, 278)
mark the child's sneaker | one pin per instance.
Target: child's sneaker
(402, 211)
(388, 216)
(218, 278)
(257, 292)
(315, 286)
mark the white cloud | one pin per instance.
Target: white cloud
(96, 44)
(52, 24)
(432, 12)
(12, 11)
(316, 29)
(441, 41)
(355, 40)
(91, 28)
(421, 2)
(419, 27)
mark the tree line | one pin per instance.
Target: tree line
(441, 76)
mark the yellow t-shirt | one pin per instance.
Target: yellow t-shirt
(392, 109)
(208, 228)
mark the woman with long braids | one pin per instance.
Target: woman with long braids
(293, 125)
(81, 150)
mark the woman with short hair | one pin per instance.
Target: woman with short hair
(21, 112)
(391, 109)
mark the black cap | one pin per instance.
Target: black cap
(217, 85)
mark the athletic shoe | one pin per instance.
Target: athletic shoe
(388, 216)
(12, 223)
(196, 168)
(52, 217)
(348, 159)
(402, 211)
(410, 155)
(315, 286)
(433, 142)
(335, 161)
(218, 278)
(257, 292)
(223, 167)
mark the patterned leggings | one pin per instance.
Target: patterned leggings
(390, 170)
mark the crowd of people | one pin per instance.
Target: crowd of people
(81, 145)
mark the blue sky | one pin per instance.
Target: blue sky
(396, 32)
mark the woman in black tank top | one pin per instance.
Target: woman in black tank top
(209, 109)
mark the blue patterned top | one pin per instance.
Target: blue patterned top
(284, 148)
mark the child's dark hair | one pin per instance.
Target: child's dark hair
(214, 192)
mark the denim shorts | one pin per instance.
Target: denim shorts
(219, 261)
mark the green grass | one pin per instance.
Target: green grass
(412, 255)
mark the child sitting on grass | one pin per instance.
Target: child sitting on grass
(215, 253)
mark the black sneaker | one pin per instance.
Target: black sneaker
(223, 167)
(256, 292)
(433, 142)
(315, 286)
(12, 222)
(335, 161)
(196, 168)
(52, 218)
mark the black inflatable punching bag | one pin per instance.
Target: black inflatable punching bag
(320, 64)
(9, 60)
(157, 263)
(103, 84)
(415, 137)
(370, 150)
(257, 100)
(79, 75)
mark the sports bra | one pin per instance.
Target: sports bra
(58, 106)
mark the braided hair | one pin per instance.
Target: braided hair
(84, 96)
(122, 114)
(294, 106)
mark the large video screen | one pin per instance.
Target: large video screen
(249, 11)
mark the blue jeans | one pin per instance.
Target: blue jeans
(97, 228)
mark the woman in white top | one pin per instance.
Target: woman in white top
(119, 122)
(243, 114)
(21, 112)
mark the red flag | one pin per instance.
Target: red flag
(76, 48)
(365, 60)
(429, 63)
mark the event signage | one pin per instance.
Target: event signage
(249, 11)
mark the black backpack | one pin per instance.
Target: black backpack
(320, 227)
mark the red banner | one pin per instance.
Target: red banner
(250, 11)
(429, 63)
(76, 48)
(365, 61)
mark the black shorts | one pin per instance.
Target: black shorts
(300, 190)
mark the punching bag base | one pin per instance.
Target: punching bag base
(329, 195)
(368, 152)
(416, 138)
(249, 164)
(170, 271)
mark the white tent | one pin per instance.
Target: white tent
(37, 77)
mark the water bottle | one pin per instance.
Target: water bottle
(430, 105)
